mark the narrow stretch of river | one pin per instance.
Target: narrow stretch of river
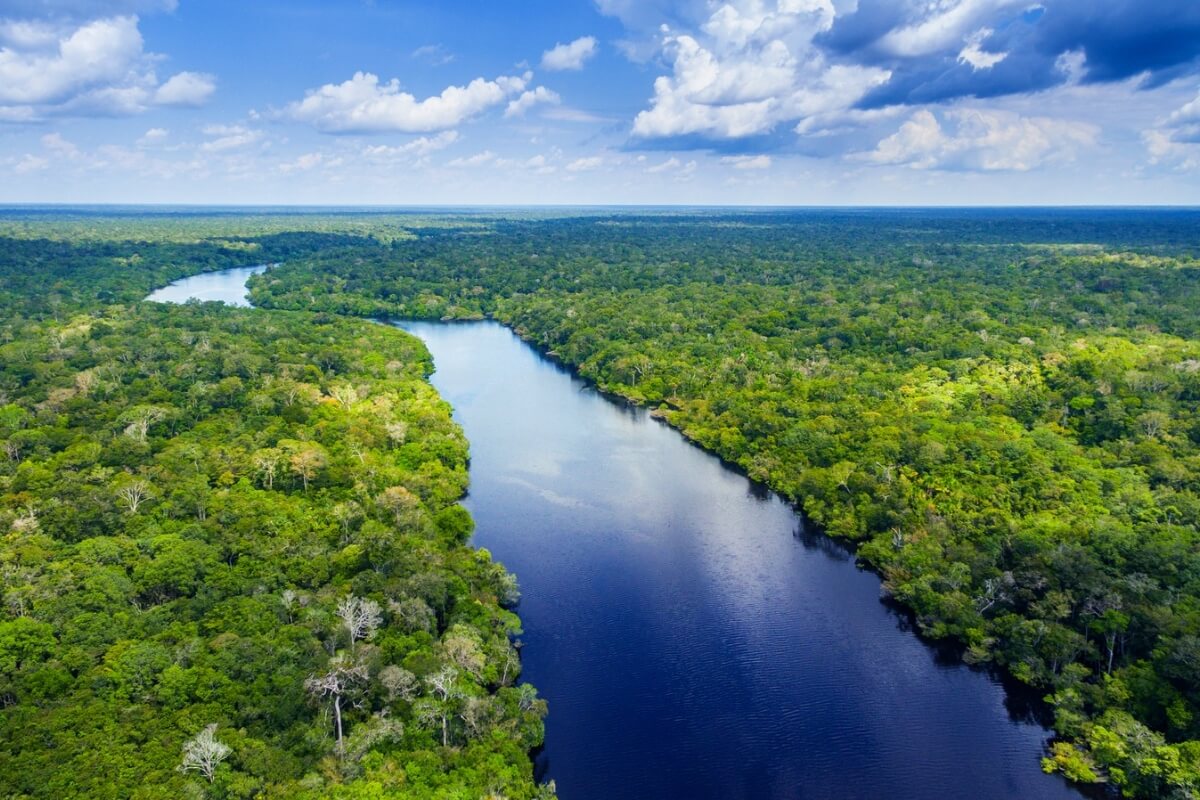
(694, 641)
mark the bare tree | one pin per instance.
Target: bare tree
(343, 678)
(397, 432)
(289, 600)
(267, 463)
(439, 709)
(361, 618)
(398, 682)
(26, 521)
(139, 419)
(133, 494)
(204, 753)
(345, 394)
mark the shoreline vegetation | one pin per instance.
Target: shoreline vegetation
(996, 407)
(234, 562)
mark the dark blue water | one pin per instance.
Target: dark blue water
(693, 639)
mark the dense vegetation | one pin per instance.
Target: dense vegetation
(1000, 407)
(234, 564)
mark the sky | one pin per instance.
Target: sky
(588, 102)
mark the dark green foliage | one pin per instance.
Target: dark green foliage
(1000, 407)
(188, 494)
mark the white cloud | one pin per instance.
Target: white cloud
(974, 54)
(306, 162)
(1187, 113)
(585, 164)
(418, 147)
(564, 114)
(570, 56)
(1162, 148)
(364, 105)
(477, 160)
(433, 54)
(982, 140)
(186, 89)
(1072, 64)
(98, 53)
(96, 67)
(30, 163)
(152, 137)
(1175, 141)
(229, 137)
(671, 163)
(945, 23)
(672, 166)
(529, 99)
(748, 70)
(748, 162)
(60, 147)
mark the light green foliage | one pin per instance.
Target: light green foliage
(1004, 420)
(169, 582)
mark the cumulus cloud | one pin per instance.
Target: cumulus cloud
(529, 99)
(982, 140)
(95, 67)
(186, 89)
(570, 56)
(748, 69)
(365, 105)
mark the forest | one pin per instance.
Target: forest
(999, 408)
(249, 519)
(234, 562)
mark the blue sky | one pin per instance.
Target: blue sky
(791, 102)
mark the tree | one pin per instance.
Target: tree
(361, 618)
(306, 459)
(266, 463)
(398, 682)
(204, 753)
(341, 679)
(139, 419)
(401, 504)
(133, 494)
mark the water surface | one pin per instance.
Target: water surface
(693, 639)
(227, 286)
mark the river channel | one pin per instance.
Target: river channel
(694, 640)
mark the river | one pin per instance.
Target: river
(694, 640)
